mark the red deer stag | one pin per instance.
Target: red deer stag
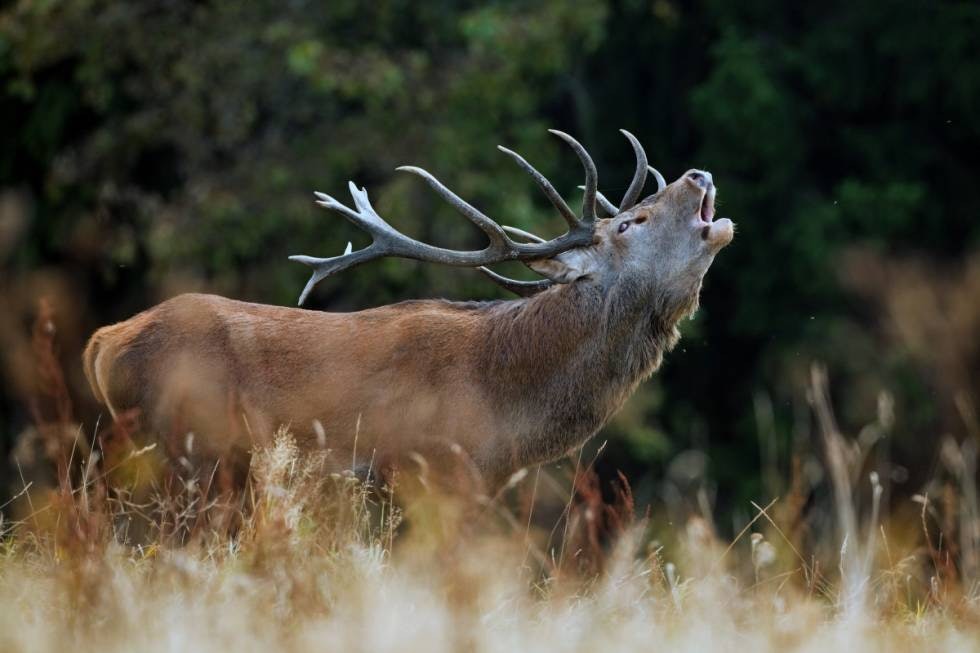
(503, 384)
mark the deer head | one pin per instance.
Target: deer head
(662, 244)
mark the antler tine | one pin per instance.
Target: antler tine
(366, 218)
(661, 182)
(604, 202)
(470, 212)
(591, 175)
(545, 186)
(639, 177)
(526, 235)
(522, 288)
(322, 268)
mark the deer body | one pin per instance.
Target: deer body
(497, 385)
(399, 378)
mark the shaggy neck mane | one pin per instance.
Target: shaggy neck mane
(563, 361)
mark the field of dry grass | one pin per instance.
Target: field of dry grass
(324, 562)
(116, 550)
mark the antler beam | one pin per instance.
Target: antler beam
(388, 241)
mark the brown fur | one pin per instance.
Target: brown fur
(402, 377)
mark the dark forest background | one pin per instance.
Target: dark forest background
(151, 148)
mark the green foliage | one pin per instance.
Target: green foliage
(176, 145)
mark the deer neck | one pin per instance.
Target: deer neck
(561, 363)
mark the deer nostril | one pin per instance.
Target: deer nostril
(698, 178)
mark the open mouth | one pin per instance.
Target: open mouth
(707, 211)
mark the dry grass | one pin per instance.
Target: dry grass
(119, 551)
(323, 562)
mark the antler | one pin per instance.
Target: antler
(387, 241)
(522, 288)
(661, 182)
(639, 177)
(636, 186)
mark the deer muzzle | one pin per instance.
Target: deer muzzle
(716, 233)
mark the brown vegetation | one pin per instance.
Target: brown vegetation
(127, 553)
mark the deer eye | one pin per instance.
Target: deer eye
(623, 226)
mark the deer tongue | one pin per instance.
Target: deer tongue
(707, 207)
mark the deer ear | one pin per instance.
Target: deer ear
(565, 267)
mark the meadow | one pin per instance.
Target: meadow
(801, 474)
(123, 554)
